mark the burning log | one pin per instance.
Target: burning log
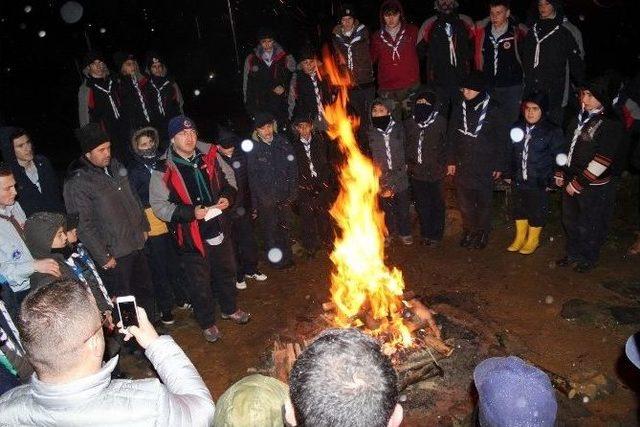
(413, 376)
(419, 317)
(284, 356)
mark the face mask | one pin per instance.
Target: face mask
(381, 122)
(149, 153)
(65, 252)
(421, 112)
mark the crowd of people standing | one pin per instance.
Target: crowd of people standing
(150, 209)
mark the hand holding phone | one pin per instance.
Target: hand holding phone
(127, 311)
(144, 334)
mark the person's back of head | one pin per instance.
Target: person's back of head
(61, 331)
(254, 401)
(344, 379)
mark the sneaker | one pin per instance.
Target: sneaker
(240, 317)
(257, 275)
(241, 285)
(167, 318)
(406, 240)
(211, 334)
(184, 306)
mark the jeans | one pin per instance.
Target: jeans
(429, 198)
(212, 277)
(396, 213)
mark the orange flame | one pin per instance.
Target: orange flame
(361, 283)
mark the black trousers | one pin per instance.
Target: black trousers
(475, 207)
(586, 219)
(131, 276)
(315, 226)
(396, 213)
(531, 204)
(429, 198)
(245, 246)
(276, 225)
(159, 252)
(211, 278)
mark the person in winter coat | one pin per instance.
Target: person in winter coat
(266, 77)
(426, 153)
(497, 41)
(242, 228)
(163, 96)
(393, 49)
(547, 50)
(37, 182)
(192, 191)
(16, 262)
(309, 89)
(112, 225)
(46, 237)
(587, 175)
(352, 46)
(314, 183)
(536, 142)
(273, 181)
(386, 140)
(159, 247)
(446, 41)
(133, 94)
(63, 338)
(477, 139)
(99, 101)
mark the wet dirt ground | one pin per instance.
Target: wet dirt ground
(517, 299)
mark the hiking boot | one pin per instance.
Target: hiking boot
(256, 275)
(240, 317)
(167, 318)
(211, 334)
(241, 285)
(481, 240)
(467, 239)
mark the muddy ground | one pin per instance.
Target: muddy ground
(521, 303)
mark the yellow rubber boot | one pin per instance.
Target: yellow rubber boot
(533, 241)
(522, 225)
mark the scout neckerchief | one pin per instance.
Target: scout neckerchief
(349, 44)
(4, 338)
(583, 118)
(82, 254)
(525, 149)
(423, 127)
(496, 41)
(307, 149)
(448, 29)
(316, 89)
(395, 45)
(142, 103)
(386, 134)
(116, 113)
(158, 94)
(483, 114)
(536, 56)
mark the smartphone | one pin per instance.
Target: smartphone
(127, 310)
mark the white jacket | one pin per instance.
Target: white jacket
(16, 262)
(181, 399)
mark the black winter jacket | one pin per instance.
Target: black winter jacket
(433, 152)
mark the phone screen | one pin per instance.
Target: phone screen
(128, 314)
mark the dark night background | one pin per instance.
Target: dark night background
(39, 76)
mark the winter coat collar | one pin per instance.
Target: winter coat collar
(278, 52)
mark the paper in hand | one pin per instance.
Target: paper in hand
(212, 213)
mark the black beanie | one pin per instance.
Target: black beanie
(307, 52)
(600, 88)
(265, 33)
(475, 81)
(120, 58)
(91, 56)
(538, 98)
(301, 116)
(39, 231)
(261, 119)
(151, 58)
(429, 95)
(91, 136)
(347, 10)
(227, 139)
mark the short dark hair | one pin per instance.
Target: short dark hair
(390, 9)
(496, 3)
(5, 169)
(17, 133)
(54, 322)
(343, 379)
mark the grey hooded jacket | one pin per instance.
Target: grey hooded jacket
(182, 399)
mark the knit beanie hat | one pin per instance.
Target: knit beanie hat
(228, 139)
(475, 81)
(347, 10)
(121, 57)
(301, 116)
(600, 88)
(513, 393)
(265, 33)
(261, 119)
(39, 231)
(429, 95)
(538, 98)
(151, 58)
(178, 124)
(254, 401)
(307, 52)
(91, 56)
(90, 136)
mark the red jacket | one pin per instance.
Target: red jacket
(397, 69)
